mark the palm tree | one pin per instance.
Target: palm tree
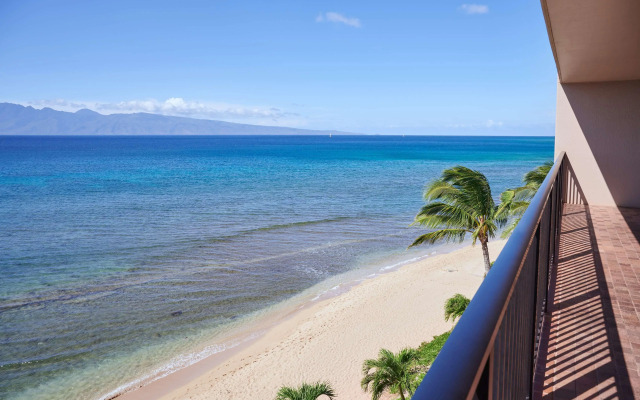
(388, 372)
(306, 392)
(460, 203)
(455, 306)
(536, 176)
(519, 198)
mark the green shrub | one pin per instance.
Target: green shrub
(455, 306)
(429, 350)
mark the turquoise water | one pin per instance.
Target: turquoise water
(117, 254)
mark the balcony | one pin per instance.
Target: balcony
(591, 338)
(556, 317)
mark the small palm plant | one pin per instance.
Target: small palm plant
(306, 392)
(393, 372)
(455, 306)
(460, 203)
(518, 199)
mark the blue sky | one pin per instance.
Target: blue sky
(414, 67)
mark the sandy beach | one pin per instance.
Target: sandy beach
(330, 339)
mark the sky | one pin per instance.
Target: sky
(379, 67)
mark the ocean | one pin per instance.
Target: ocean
(129, 257)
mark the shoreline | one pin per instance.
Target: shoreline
(286, 345)
(249, 328)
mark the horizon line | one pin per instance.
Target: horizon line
(265, 135)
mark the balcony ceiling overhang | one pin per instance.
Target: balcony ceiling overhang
(594, 40)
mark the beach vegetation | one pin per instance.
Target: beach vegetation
(460, 203)
(536, 176)
(455, 306)
(518, 199)
(390, 372)
(428, 351)
(307, 391)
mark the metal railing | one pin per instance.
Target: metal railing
(492, 352)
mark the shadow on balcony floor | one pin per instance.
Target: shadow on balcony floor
(590, 347)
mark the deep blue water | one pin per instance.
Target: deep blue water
(113, 246)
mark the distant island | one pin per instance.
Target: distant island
(16, 119)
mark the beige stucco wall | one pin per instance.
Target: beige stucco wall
(598, 125)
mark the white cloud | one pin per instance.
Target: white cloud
(491, 123)
(474, 8)
(177, 106)
(339, 19)
(57, 104)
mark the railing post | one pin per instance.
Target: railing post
(562, 182)
(484, 390)
(553, 223)
(534, 333)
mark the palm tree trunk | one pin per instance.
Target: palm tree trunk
(401, 391)
(485, 253)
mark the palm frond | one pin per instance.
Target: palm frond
(514, 202)
(288, 393)
(388, 372)
(474, 188)
(455, 306)
(306, 392)
(442, 215)
(518, 208)
(439, 189)
(449, 234)
(507, 232)
(525, 193)
(507, 196)
(536, 176)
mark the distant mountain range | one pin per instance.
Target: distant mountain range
(20, 120)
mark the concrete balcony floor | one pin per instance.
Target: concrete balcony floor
(590, 347)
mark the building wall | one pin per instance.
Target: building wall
(598, 125)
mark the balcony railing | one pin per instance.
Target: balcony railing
(492, 352)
